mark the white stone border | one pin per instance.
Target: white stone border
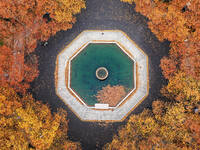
(89, 114)
(134, 75)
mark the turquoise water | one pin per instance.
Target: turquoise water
(84, 66)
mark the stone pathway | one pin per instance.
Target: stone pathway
(101, 112)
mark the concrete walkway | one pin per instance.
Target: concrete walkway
(84, 112)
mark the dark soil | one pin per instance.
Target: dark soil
(100, 14)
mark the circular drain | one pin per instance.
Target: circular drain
(101, 73)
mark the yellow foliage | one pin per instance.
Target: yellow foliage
(41, 133)
(24, 121)
(158, 109)
(173, 127)
(170, 125)
(175, 113)
(128, 1)
(183, 87)
(12, 139)
(145, 131)
(144, 123)
(9, 101)
(67, 8)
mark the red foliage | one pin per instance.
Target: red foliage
(194, 127)
(179, 22)
(14, 71)
(168, 67)
(22, 24)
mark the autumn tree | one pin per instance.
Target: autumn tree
(178, 22)
(169, 20)
(28, 21)
(168, 128)
(11, 70)
(174, 124)
(169, 67)
(193, 124)
(26, 123)
(22, 24)
(183, 88)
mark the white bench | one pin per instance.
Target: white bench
(101, 106)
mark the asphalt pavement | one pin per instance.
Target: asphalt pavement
(99, 15)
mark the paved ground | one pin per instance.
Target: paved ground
(83, 112)
(100, 14)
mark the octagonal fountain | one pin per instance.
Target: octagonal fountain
(102, 75)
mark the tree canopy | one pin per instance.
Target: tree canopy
(29, 124)
(24, 122)
(174, 124)
(22, 24)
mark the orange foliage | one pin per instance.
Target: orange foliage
(22, 24)
(158, 109)
(14, 71)
(174, 125)
(25, 122)
(183, 88)
(188, 54)
(167, 19)
(71, 146)
(169, 67)
(194, 126)
(111, 95)
(173, 129)
(179, 22)
(30, 20)
(9, 101)
(6, 58)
